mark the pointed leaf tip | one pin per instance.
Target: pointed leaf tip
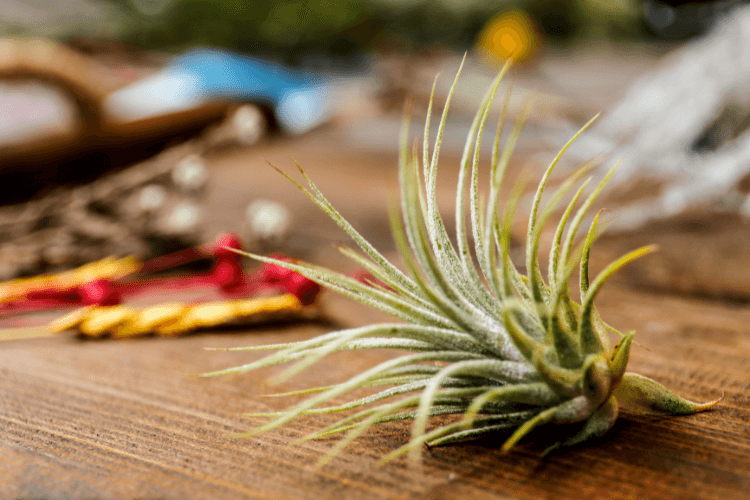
(640, 394)
(621, 355)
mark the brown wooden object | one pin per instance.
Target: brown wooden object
(117, 419)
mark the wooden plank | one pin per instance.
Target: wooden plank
(119, 419)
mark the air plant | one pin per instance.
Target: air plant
(498, 349)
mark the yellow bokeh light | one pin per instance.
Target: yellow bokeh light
(510, 34)
(508, 42)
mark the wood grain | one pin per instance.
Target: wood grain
(121, 420)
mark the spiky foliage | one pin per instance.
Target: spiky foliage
(497, 348)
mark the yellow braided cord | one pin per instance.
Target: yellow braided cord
(108, 268)
(174, 318)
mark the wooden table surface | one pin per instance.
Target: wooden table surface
(120, 419)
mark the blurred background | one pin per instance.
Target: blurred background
(145, 126)
(307, 31)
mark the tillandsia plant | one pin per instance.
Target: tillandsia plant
(498, 349)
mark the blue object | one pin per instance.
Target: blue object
(299, 101)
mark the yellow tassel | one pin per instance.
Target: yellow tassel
(100, 320)
(108, 268)
(70, 321)
(176, 318)
(149, 319)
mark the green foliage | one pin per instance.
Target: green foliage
(505, 351)
(258, 26)
(290, 29)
